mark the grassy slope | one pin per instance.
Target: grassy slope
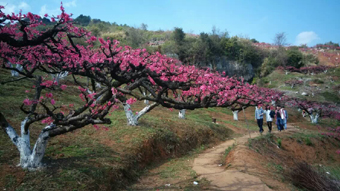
(105, 160)
(327, 93)
(99, 159)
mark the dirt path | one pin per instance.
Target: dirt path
(207, 166)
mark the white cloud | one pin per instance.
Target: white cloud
(306, 37)
(14, 7)
(70, 4)
(50, 12)
(24, 6)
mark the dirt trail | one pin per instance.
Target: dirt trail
(207, 166)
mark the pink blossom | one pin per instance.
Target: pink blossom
(52, 101)
(96, 126)
(30, 16)
(102, 41)
(49, 95)
(114, 91)
(48, 120)
(27, 102)
(131, 101)
(63, 87)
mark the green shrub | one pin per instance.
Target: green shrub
(279, 141)
(308, 141)
(331, 97)
(294, 58)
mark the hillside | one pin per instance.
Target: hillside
(324, 86)
(75, 111)
(100, 159)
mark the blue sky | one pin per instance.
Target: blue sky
(304, 21)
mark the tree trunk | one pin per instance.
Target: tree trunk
(146, 102)
(29, 159)
(235, 114)
(314, 118)
(273, 103)
(133, 119)
(181, 114)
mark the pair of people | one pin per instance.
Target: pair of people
(281, 117)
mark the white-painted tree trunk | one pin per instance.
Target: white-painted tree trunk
(133, 119)
(181, 114)
(15, 73)
(273, 103)
(59, 76)
(29, 159)
(235, 114)
(314, 118)
(146, 101)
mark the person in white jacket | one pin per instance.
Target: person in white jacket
(269, 117)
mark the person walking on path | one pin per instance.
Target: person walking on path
(269, 118)
(279, 121)
(259, 117)
(285, 117)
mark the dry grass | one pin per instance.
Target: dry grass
(304, 176)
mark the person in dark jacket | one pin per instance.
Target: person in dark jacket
(279, 120)
(259, 117)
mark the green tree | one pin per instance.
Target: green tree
(178, 36)
(294, 58)
(253, 40)
(83, 20)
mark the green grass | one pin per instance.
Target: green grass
(227, 151)
(278, 78)
(279, 143)
(334, 171)
(306, 137)
(331, 97)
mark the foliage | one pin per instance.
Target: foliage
(279, 143)
(83, 20)
(294, 58)
(117, 74)
(268, 65)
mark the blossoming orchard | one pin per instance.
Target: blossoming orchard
(118, 75)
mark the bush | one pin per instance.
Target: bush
(308, 141)
(279, 143)
(268, 66)
(294, 58)
(314, 69)
(305, 177)
(310, 59)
